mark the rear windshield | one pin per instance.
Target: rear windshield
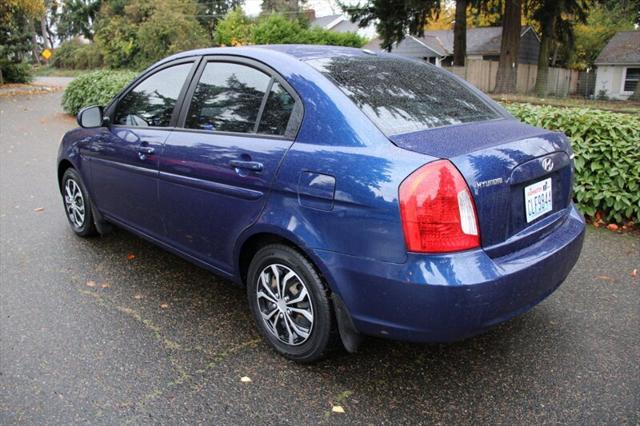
(402, 96)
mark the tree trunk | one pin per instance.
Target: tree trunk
(460, 34)
(35, 49)
(543, 59)
(509, 46)
(45, 32)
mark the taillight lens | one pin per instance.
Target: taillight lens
(437, 210)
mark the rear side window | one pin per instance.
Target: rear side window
(151, 103)
(402, 96)
(277, 111)
(227, 98)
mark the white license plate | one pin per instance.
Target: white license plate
(537, 199)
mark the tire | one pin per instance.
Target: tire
(77, 205)
(294, 272)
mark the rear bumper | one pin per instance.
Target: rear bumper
(440, 298)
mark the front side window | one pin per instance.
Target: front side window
(631, 79)
(227, 98)
(151, 103)
(402, 96)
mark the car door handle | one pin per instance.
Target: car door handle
(254, 166)
(147, 150)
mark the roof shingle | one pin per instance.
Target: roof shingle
(623, 48)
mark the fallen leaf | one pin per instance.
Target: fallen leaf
(612, 227)
(337, 409)
(131, 256)
(138, 296)
(164, 305)
(91, 283)
(39, 209)
(604, 278)
(105, 285)
(634, 273)
(245, 379)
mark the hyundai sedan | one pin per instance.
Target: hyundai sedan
(351, 193)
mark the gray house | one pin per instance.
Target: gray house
(338, 24)
(436, 46)
(618, 65)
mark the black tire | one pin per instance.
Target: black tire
(86, 227)
(322, 335)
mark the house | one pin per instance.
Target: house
(436, 46)
(618, 66)
(338, 23)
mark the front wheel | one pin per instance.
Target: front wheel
(290, 303)
(77, 205)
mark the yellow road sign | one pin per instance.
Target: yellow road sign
(46, 53)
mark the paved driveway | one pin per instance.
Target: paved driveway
(89, 334)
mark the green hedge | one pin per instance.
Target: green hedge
(607, 150)
(94, 88)
(12, 72)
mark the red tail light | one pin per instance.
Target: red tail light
(437, 210)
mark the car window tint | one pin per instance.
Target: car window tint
(401, 95)
(227, 98)
(151, 103)
(277, 111)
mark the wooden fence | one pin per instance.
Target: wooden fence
(482, 74)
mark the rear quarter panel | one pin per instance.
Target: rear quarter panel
(336, 140)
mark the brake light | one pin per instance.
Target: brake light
(437, 210)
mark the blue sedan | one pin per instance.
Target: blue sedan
(350, 193)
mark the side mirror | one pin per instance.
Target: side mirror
(91, 117)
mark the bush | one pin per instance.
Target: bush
(607, 150)
(94, 88)
(14, 72)
(234, 29)
(72, 54)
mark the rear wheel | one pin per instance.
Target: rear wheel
(290, 303)
(77, 205)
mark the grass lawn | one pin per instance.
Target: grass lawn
(614, 106)
(49, 71)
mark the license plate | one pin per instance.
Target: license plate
(537, 199)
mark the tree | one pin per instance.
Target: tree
(289, 8)
(509, 46)
(603, 21)
(76, 18)
(556, 19)
(210, 12)
(394, 18)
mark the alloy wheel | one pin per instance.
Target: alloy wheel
(74, 202)
(284, 304)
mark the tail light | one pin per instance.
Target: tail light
(437, 210)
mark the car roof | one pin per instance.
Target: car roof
(302, 52)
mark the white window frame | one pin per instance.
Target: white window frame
(624, 79)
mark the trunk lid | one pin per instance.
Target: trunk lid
(499, 159)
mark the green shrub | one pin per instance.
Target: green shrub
(607, 156)
(234, 29)
(94, 88)
(72, 54)
(14, 72)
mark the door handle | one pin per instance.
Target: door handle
(254, 166)
(144, 151)
(147, 150)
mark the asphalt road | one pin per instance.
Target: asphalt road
(89, 335)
